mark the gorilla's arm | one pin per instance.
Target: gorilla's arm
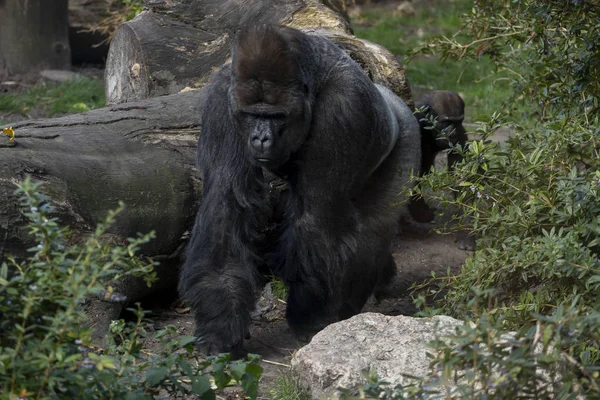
(219, 279)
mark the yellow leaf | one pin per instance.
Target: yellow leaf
(10, 133)
(80, 107)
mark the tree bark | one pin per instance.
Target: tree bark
(34, 35)
(177, 44)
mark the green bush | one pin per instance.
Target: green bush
(529, 294)
(547, 48)
(45, 347)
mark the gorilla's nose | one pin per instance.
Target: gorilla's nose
(262, 141)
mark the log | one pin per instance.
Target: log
(141, 153)
(340, 6)
(177, 44)
(26, 45)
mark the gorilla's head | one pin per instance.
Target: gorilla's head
(449, 109)
(270, 94)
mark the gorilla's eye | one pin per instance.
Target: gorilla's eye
(264, 115)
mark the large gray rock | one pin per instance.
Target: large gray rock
(337, 356)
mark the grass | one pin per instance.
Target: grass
(484, 91)
(51, 99)
(279, 289)
(286, 387)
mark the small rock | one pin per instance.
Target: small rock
(57, 75)
(337, 356)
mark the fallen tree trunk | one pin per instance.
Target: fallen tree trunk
(141, 153)
(177, 44)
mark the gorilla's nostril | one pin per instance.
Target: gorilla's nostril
(256, 141)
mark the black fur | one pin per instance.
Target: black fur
(297, 106)
(447, 109)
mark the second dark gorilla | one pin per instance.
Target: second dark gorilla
(297, 106)
(440, 115)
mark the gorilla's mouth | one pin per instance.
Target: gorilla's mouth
(268, 160)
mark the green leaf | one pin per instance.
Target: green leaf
(250, 384)
(201, 386)
(154, 376)
(185, 340)
(222, 379)
(106, 362)
(186, 368)
(72, 358)
(254, 369)
(237, 370)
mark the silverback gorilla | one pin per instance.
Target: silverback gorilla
(294, 105)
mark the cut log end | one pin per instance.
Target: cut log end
(125, 77)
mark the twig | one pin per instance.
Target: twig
(277, 363)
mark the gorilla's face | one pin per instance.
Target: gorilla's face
(273, 119)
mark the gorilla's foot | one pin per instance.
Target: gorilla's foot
(236, 351)
(383, 293)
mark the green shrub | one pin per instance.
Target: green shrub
(547, 48)
(529, 294)
(534, 202)
(45, 347)
(286, 387)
